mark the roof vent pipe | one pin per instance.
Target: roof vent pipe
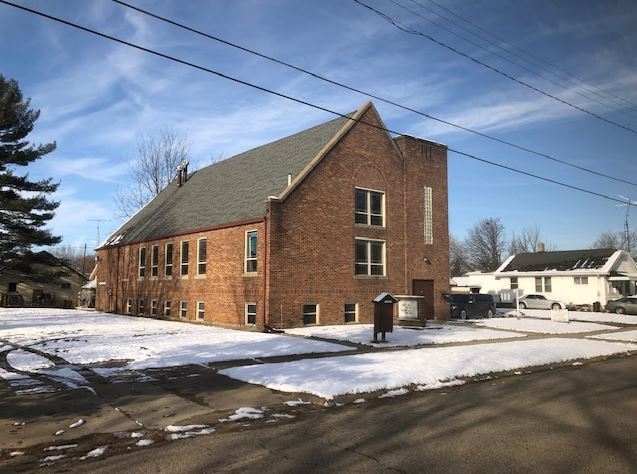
(540, 247)
(289, 179)
(179, 168)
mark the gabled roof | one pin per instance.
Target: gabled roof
(231, 191)
(564, 260)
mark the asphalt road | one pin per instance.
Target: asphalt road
(571, 419)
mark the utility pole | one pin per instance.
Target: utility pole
(629, 203)
(84, 260)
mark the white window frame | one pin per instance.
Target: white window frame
(167, 308)
(514, 283)
(181, 258)
(129, 306)
(154, 263)
(201, 312)
(368, 211)
(369, 258)
(153, 308)
(183, 309)
(140, 306)
(543, 285)
(247, 314)
(246, 257)
(345, 313)
(316, 313)
(204, 261)
(141, 262)
(428, 216)
(172, 258)
(581, 280)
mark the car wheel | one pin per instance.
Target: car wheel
(620, 310)
(556, 306)
(522, 305)
(463, 314)
(490, 313)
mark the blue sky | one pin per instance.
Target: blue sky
(97, 97)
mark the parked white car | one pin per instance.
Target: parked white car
(539, 302)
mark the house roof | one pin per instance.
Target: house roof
(231, 191)
(564, 260)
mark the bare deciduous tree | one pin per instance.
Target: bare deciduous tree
(616, 240)
(486, 245)
(76, 258)
(528, 241)
(154, 167)
(458, 257)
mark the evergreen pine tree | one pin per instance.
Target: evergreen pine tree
(24, 206)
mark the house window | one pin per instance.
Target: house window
(370, 206)
(140, 307)
(429, 216)
(514, 283)
(547, 284)
(13, 287)
(184, 257)
(129, 306)
(202, 245)
(154, 260)
(183, 309)
(168, 269)
(167, 309)
(251, 252)
(370, 257)
(201, 310)
(310, 313)
(350, 312)
(251, 313)
(142, 262)
(581, 280)
(153, 307)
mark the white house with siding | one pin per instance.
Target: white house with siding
(575, 277)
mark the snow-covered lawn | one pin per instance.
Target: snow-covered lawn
(630, 336)
(541, 325)
(589, 316)
(83, 337)
(333, 376)
(433, 334)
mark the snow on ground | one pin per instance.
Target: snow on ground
(433, 334)
(630, 336)
(590, 316)
(541, 325)
(27, 361)
(360, 373)
(86, 337)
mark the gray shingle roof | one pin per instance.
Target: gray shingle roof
(560, 260)
(232, 190)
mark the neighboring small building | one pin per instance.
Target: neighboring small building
(48, 283)
(575, 277)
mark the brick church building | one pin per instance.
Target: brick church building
(304, 230)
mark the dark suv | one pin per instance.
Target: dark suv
(472, 305)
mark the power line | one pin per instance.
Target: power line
(294, 99)
(368, 94)
(517, 64)
(528, 53)
(412, 31)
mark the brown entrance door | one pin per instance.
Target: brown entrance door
(425, 288)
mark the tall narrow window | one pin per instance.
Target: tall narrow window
(538, 284)
(201, 310)
(183, 309)
(153, 307)
(202, 245)
(350, 312)
(429, 216)
(184, 257)
(142, 262)
(251, 252)
(140, 307)
(168, 269)
(154, 260)
(166, 309)
(370, 257)
(251, 313)
(370, 207)
(310, 313)
(129, 306)
(547, 284)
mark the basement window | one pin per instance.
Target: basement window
(251, 252)
(370, 207)
(201, 310)
(153, 308)
(184, 257)
(154, 260)
(168, 269)
(183, 309)
(310, 313)
(129, 306)
(140, 307)
(370, 257)
(251, 313)
(202, 245)
(351, 309)
(167, 309)
(142, 262)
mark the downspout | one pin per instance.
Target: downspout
(265, 263)
(117, 280)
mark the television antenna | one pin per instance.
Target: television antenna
(98, 221)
